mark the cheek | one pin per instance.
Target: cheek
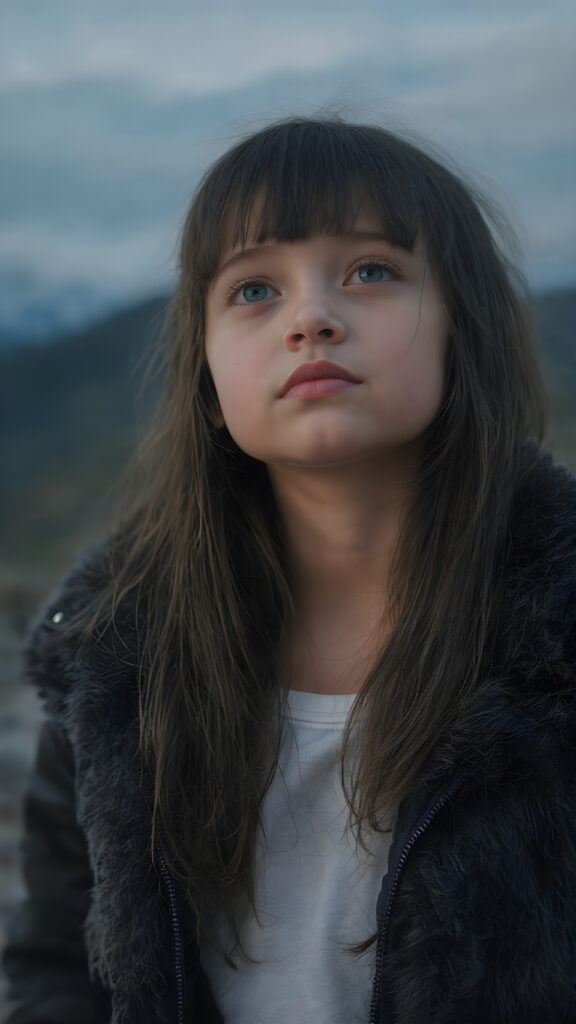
(234, 380)
(412, 354)
(222, 367)
(231, 359)
(427, 358)
(426, 383)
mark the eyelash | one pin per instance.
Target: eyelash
(236, 288)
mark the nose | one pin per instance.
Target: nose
(312, 325)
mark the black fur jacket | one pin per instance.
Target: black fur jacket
(477, 914)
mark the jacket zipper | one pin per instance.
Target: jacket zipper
(406, 850)
(178, 950)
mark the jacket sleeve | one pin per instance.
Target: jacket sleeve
(45, 957)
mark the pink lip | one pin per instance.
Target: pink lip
(320, 370)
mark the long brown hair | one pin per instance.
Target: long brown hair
(204, 551)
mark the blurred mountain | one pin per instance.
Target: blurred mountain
(36, 309)
(555, 314)
(72, 394)
(68, 422)
(67, 425)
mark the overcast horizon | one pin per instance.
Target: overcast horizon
(111, 112)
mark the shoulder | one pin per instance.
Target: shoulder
(520, 721)
(537, 619)
(85, 580)
(63, 647)
(542, 531)
(544, 502)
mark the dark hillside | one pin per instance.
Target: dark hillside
(555, 315)
(73, 393)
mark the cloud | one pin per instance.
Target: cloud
(140, 259)
(182, 51)
(192, 49)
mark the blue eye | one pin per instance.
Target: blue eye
(375, 272)
(253, 291)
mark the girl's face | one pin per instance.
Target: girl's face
(353, 300)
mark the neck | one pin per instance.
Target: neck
(342, 527)
(342, 531)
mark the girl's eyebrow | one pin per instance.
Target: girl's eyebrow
(268, 250)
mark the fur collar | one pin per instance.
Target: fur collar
(523, 708)
(526, 702)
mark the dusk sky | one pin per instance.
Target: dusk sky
(111, 110)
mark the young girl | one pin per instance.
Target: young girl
(309, 752)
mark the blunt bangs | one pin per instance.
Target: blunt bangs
(301, 178)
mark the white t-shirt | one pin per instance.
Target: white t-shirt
(316, 889)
